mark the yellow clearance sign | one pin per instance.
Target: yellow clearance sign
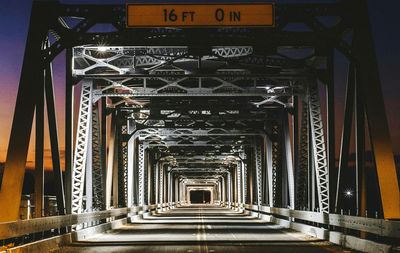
(199, 15)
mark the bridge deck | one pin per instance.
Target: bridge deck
(201, 229)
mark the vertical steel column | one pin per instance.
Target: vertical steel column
(131, 166)
(161, 182)
(250, 179)
(81, 146)
(330, 109)
(276, 150)
(177, 199)
(223, 190)
(296, 143)
(360, 151)
(123, 164)
(115, 169)
(239, 182)
(98, 184)
(55, 152)
(89, 173)
(146, 178)
(141, 173)
(346, 131)
(32, 74)
(304, 154)
(39, 145)
(270, 170)
(103, 150)
(244, 183)
(319, 148)
(157, 184)
(288, 160)
(258, 158)
(69, 138)
(110, 161)
(368, 76)
(229, 188)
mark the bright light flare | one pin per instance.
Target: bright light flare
(102, 49)
(348, 193)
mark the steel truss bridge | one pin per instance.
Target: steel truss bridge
(238, 112)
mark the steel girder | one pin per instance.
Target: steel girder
(137, 91)
(149, 134)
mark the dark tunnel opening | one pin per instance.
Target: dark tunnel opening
(200, 197)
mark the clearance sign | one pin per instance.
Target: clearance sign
(199, 15)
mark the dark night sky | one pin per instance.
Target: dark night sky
(14, 19)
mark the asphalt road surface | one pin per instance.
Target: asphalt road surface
(202, 230)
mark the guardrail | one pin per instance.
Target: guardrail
(360, 233)
(23, 228)
(381, 227)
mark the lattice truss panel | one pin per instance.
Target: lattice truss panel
(89, 60)
(169, 137)
(319, 148)
(276, 162)
(141, 173)
(216, 117)
(81, 146)
(303, 169)
(258, 163)
(98, 196)
(136, 90)
(123, 167)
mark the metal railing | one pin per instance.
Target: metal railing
(381, 227)
(12, 232)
